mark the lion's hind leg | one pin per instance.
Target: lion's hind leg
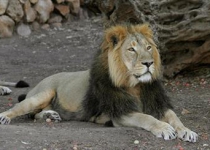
(36, 102)
(48, 113)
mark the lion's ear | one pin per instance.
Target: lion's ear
(115, 34)
(145, 30)
(114, 40)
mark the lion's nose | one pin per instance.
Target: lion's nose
(148, 64)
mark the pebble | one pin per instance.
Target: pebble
(24, 30)
(136, 142)
(48, 120)
(74, 148)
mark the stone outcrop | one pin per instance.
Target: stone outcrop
(181, 28)
(15, 10)
(35, 14)
(44, 8)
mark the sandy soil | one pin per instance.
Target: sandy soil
(71, 49)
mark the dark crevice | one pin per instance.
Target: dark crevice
(110, 12)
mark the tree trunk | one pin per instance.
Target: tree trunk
(181, 27)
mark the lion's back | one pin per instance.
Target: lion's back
(60, 81)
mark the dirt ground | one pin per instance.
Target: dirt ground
(71, 48)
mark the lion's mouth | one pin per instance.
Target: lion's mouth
(146, 77)
(140, 75)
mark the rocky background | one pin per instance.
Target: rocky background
(181, 28)
(25, 16)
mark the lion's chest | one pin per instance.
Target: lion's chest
(135, 92)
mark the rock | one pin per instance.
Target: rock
(3, 6)
(23, 30)
(30, 12)
(136, 142)
(22, 1)
(60, 1)
(76, 6)
(63, 9)
(44, 8)
(185, 111)
(6, 26)
(45, 26)
(15, 10)
(34, 1)
(83, 14)
(55, 19)
(48, 120)
(35, 26)
(57, 25)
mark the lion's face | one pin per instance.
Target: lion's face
(137, 55)
(132, 55)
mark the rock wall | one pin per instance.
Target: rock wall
(26, 15)
(181, 28)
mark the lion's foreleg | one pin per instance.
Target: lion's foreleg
(38, 101)
(183, 133)
(149, 123)
(102, 119)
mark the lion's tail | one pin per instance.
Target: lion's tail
(21, 97)
(19, 84)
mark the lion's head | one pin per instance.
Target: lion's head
(132, 55)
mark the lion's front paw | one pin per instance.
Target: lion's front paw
(4, 119)
(53, 115)
(4, 90)
(164, 130)
(186, 134)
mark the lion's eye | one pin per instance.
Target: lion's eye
(131, 49)
(149, 47)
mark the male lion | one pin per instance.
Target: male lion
(122, 87)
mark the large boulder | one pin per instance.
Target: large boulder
(30, 12)
(75, 6)
(3, 6)
(44, 8)
(63, 9)
(181, 28)
(15, 10)
(6, 26)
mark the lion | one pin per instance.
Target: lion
(4, 90)
(122, 88)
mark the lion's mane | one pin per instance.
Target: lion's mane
(109, 86)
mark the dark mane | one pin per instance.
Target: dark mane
(154, 99)
(103, 97)
(106, 94)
